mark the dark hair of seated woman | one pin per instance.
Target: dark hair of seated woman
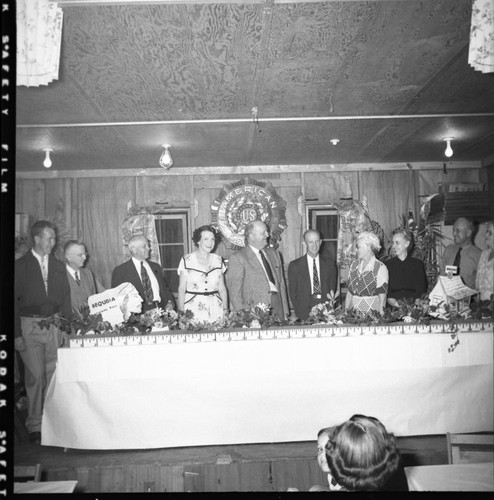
(362, 455)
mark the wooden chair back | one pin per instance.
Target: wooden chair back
(24, 473)
(470, 448)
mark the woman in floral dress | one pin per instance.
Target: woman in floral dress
(202, 285)
(368, 278)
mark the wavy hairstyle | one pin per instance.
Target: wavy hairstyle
(370, 239)
(197, 234)
(361, 454)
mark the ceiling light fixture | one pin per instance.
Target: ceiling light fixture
(334, 142)
(449, 150)
(47, 163)
(166, 160)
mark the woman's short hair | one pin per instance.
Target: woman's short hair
(197, 234)
(406, 233)
(370, 239)
(361, 454)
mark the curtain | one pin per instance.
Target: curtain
(144, 224)
(481, 51)
(39, 36)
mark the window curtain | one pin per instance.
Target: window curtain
(39, 36)
(481, 51)
(354, 219)
(143, 223)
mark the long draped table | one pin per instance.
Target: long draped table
(276, 385)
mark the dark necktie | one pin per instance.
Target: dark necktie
(77, 280)
(315, 278)
(267, 267)
(146, 283)
(457, 261)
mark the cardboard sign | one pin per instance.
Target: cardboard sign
(116, 304)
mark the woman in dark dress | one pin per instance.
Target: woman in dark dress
(407, 277)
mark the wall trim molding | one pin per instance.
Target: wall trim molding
(251, 169)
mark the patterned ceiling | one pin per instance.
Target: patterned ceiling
(316, 70)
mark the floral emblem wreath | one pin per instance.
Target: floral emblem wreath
(243, 202)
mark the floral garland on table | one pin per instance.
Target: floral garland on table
(83, 322)
(261, 316)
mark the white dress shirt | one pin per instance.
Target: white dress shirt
(42, 260)
(152, 278)
(310, 263)
(272, 287)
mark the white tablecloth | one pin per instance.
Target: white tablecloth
(457, 477)
(208, 393)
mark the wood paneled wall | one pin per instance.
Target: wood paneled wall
(92, 209)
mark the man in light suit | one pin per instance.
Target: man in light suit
(255, 273)
(145, 275)
(308, 286)
(82, 282)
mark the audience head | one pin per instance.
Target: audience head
(489, 234)
(367, 245)
(74, 253)
(312, 239)
(361, 454)
(401, 242)
(256, 234)
(322, 440)
(43, 234)
(205, 238)
(139, 247)
(463, 231)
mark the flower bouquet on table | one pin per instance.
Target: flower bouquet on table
(409, 310)
(483, 309)
(258, 316)
(187, 322)
(326, 313)
(154, 320)
(78, 323)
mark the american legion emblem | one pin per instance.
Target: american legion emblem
(243, 202)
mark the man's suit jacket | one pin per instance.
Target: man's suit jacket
(30, 296)
(127, 272)
(248, 284)
(299, 283)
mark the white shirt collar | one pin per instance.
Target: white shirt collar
(310, 259)
(256, 250)
(73, 271)
(39, 258)
(137, 264)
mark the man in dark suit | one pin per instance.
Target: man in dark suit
(41, 289)
(145, 275)
(255, 273)
(311, 277)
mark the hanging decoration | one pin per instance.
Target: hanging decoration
(481, 50)
(246, 201)
(39, 37)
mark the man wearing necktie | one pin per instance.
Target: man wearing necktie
(145, 275)
(311, 277)
(82, 282)
(41, 289)
(462, 253)
(255, 273)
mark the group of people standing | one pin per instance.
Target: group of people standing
(45, 286)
